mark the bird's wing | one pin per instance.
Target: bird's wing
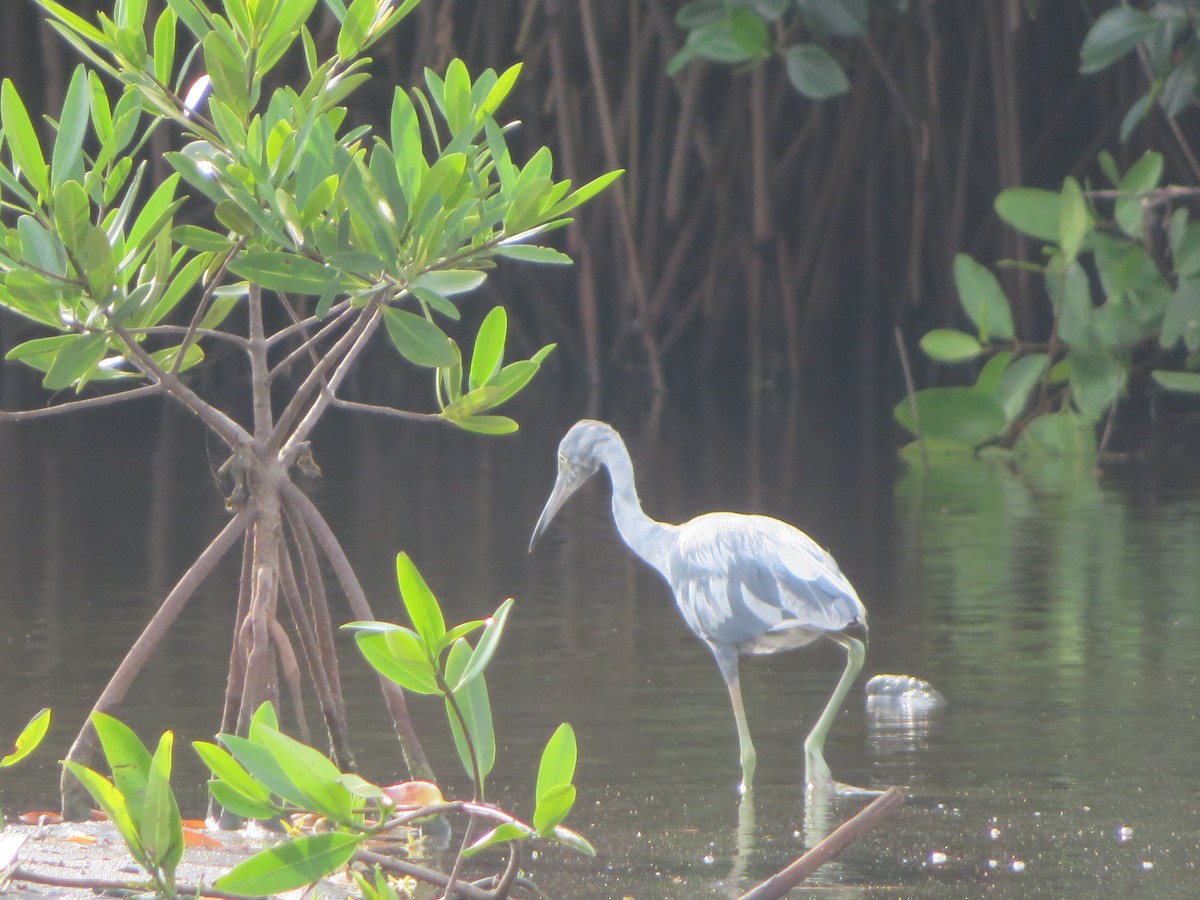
(737, 578)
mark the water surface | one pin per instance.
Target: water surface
(1059, 614)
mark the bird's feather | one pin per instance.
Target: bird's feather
(757, 583)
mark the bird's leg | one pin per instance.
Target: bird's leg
(745, 745)
(727, 662)
(816, 770)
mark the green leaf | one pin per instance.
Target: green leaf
(355, 26)
(1097, 379)
(1144, 175)
(814, 72)
(66, 158)
(1032, 211)
(419, 601)
(160, 826)
(73, 361)
(399, 656)
(29, 738)
(276, 270)
(1060, 435)
(448, 282)
(557, 766)
(1074, 219)
(1182, 318)
(961, 415)
(128, 759)
(238, 803)
(749, 31)
(1112, 35)
(575, 841)
(982, 299)
(486, 648)
(552, 807)
(534, 254)
(488, 354)
(475, 706)
(1017, 382)
(508, 831)
(231, 772)
(993, 371)
(419, 341)
(22, 139)
(164, 46)
(112, 803)
(840, 18)
(948, 345)
(482, 424)
(1184, 382)
(72, 214)
(316, 779)
(290, 865)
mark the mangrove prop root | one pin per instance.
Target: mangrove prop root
(103, 885)
(833, 844)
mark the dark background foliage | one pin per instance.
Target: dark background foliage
(757, 236)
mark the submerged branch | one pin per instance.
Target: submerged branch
(833, 844)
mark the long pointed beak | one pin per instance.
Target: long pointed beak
(564, 487)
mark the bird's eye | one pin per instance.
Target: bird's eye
(562, 460)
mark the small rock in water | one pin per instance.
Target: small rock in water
(903, 690)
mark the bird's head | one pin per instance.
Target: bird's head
(580, 454)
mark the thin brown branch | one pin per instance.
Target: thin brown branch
(77, 405)
(302, 507)
(290, 428)
(107, 885)
(844, 835)
(354, 405)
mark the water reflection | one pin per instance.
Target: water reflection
(1057, 613)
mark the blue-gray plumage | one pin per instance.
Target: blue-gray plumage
(743, 583)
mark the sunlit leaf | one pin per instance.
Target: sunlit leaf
(280, 271)
(557, 766)
(22, 139)
(486, 648)
(291, 865)
(489, 347)
(449, 282)
(399, 656)
(473, 702)
(160, 826)
(66, 158)
(419, 601)
(29, 738)
(73, 361)
(552, 807)
(508, 831)
(419, 340)
(493, 425)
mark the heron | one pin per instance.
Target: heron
(744, 584)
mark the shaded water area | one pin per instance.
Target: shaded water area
(1059, 615)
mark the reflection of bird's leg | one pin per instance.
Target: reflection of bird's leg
(728, 663)
(816, 770)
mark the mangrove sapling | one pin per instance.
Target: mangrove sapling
(305, 238)
(267, 775)
(27, 741)
(138, 799)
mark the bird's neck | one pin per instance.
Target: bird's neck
(642, 534)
